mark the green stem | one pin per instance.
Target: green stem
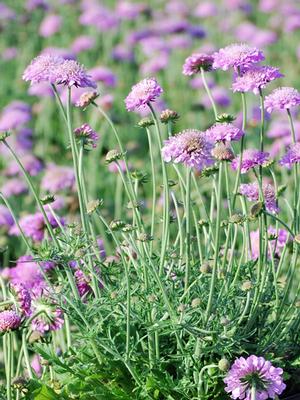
(209, 93)
(9, 352)
(188, 229)
(26, 355)
(153, 176)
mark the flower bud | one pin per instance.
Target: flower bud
(221, 118)
(223, 365)
(169, 116)
(113, 155)
(145, 122)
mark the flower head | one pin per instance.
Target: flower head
(282, 98)
(57, 178)
(224, 132)
(237, 56)
(87, 135)
(255, 78)
(292, 156)
(86, 99)
(251, 158)
(251, 191)
(51, 317)
(71, 73)
(276, 244)
(144, 92)
(83, 282)
(190, 147)
(195, 62)
(22, 297)
(42, 69)
(9, 320)
(244, 373)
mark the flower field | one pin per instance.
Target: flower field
(149, 200)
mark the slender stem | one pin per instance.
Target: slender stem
(188, 228)
(209, 93)
(295, 175)
(9, 352)
(26, 355)
(153, 176)
(253, 392)
(217, 245)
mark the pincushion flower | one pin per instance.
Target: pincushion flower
(42, 69)
(251, 191)
(276, 245)
(58, 178)
(255, 79)
(6, 219)
(225, 132)
(22, 297)
(251, 158)
(83, 282)
(143, 93)
(9, 320)
(26, 272)
(71, 73)
(190, 147)
(87, 135)
(238, 56)
(14, 187)
(245, 373)
(282, 98)
(195, 62)
(51, 316)
(292, 156)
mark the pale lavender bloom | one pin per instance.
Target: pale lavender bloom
(205, 10)
(104, 75)
(30, 163)
(71, 73)
(83, 283)
(197, 82)
(83, 43)
(251, 191)
(237, 56)
(15, 115)
(34, 226)
(220, 96)
(224, 132)
(9, 320)
(195, 62)
(42, 69)
(190, 147)
(9, 53)
(66, 54)
(196, 31)
(36, 365)
(50, 25)
(129, 10)
(282, 98)
(42, 89)
(180, 41)
(255, 79)
(292, 156)
(14, 187)
(122, 53)
(87, 135)
(251, 158)
(154, 65)
(26, 272)
(99, 16)
(34, 4)
(6, 219)
(276, 245)
(153, 45)
(22, 297)
(244, 372)
(51, 319)
(58, 178)
(143, 93)
(6, 13)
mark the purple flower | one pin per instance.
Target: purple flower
(155, 64)
(83, 43)
(27, 272)
(51, 318)
(195, 62)
(282, 98)
(87, 135)
(71, 73)
(31, 164)
(251, 191)
(244, 373)
(275, 245)
(6, 220)
(224, 132)
(34, 226)
(13, 118)
(9, 320)
(104, 75)
(57, 178)
(255, 78)
(220, 96)
(50, 25)
(14, 187)
(190, 147)
(42, 69)
(237, 56)
(22, 297)
(251, 158)
(143, 93)
(292, 156)
(83, 283)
